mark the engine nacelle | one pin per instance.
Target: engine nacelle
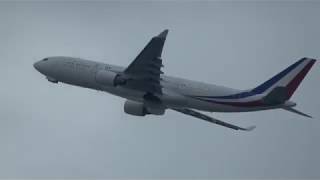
(142, 109)
(135, 108)
(109, 78)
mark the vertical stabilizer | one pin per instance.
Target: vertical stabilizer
(288, 79)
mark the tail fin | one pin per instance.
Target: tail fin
(287, 80)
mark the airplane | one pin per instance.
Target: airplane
(148, 91)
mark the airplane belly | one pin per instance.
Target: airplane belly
(124, 93)
(174, 100)
(206, 106)
(215, 107)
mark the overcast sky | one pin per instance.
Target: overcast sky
(56, 130)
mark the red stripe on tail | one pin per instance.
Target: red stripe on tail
(293, 85)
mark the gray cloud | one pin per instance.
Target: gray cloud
(49, 130)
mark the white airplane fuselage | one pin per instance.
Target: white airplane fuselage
(177, 92)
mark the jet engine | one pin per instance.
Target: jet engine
(135, 108)
(142, 109)
(109, 78)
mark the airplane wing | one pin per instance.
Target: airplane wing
(144, 72)
(212, 120)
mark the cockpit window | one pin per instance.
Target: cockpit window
(45, 59)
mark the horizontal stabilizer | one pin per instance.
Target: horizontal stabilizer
(296, 111)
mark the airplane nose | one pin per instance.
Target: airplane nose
(36, 65)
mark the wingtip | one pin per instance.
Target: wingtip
(163, 34)
(250, 128)
(308, 116)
